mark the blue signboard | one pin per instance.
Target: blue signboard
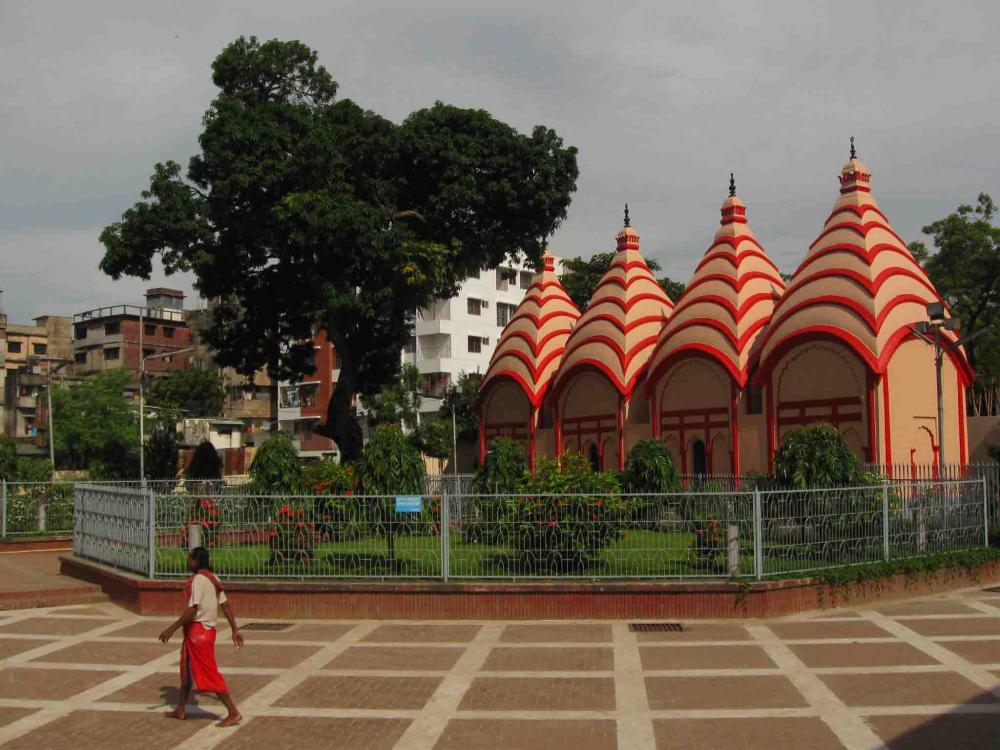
(409, 504)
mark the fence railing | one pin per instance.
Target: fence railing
(32, 508)
(114, 525)
(745, 534)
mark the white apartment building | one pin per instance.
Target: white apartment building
(459, 334)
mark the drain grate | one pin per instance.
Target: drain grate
(270, 627)
(655, 627)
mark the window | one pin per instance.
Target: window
(111, 354)
(525, 280)
(80, 332)
(168, 333)
(14, 347)
(39, 348)
(110, 329)
(755, 399)
(475, 306)
(505, 312)
(505, 276)
(149, 330)
(308, 394)
(80, 358)
(475, 344)
(148, 352)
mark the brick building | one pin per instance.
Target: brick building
(108, 338)
(302, 404)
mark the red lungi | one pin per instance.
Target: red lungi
(198, 660)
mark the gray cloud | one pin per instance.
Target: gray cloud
(662, 100)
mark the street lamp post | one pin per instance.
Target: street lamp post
(930, 332)
(142, 402)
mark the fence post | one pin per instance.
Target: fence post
(40, 511)
(445, 535)
(151, 523)
(758, 540)
(986, 514)
(885, 522)
(3, 509)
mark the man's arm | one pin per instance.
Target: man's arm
(237, 635)
(188, 616)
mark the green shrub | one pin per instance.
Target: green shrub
(650, 469)
(816, 456)
(205, 463)
(338, 514)
(277, 469)
(567, 515)
(390, 466)
(503, 471)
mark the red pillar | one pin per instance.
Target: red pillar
(532, 421)
(557, 416)
(886, 426)
(621, 433)
(654, 415)
(482, 438)
(769, 396)
(963, 435)
(872, 439)
(734, 430)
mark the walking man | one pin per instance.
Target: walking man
(204, 595)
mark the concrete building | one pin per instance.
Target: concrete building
(29, 352)
(741, 360)
(108, 338)
(460, 334)
(302, 404)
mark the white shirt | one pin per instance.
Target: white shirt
(203, 596)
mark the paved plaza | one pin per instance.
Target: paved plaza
(917, 674)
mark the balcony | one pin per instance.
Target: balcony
(130, 311)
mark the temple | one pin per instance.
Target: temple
(741, 359)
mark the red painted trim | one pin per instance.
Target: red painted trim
(624, 388)
(532, 422)
(734, 430)
(815, 333)
(870, 403)
(557, 428)
(810, 403)
(690, 351)
(887, 426)
(858, 211)
(735, 259)
(632, 301)
(652, 410)
(737, 314)
(871, 286)
(539, 320)
(736, 283)
(963, 435)
(768, 391)
(482, 439)
(903, 334)
(621, 433)
(675, 327)
(624, 327)
(536, 346)
(866, 255)
(861, 229)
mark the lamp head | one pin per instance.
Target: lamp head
(952, 324)
(935, 310)
(922, 326)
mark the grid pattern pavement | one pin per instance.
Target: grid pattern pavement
(918, 674)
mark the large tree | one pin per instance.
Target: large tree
(397, 403)
(97, 426)
(581, 277)
(193, 392)
(965, 268)
(303, 211)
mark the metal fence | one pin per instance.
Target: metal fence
(114, 525)
(32, 508)
(594, 536)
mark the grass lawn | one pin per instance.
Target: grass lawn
(635, 553)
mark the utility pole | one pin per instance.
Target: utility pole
(142, 403)
(48, 402)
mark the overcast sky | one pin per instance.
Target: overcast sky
(662, 99)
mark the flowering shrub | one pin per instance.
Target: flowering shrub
(203, 512)
(568, 514)
(707, 542)
(337, 514)
(292, 536)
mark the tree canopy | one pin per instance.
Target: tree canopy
(397, 403)
(580, 278)
(192, 392)
(965, 268)
(97, 426)
(304, 211)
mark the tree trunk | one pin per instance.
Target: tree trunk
(341, 425)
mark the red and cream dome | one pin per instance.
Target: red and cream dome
(627, 311)
(531, 344)
(858, 284)
(728, 301)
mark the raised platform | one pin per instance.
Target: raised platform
(562, 600)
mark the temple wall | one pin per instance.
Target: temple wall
(913, 405)
(588, 410)
(753, 441)
(698, 389)
(506, 403)
(826, 382)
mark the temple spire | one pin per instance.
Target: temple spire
(627, 223)
(853, 155)
(732, 185)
